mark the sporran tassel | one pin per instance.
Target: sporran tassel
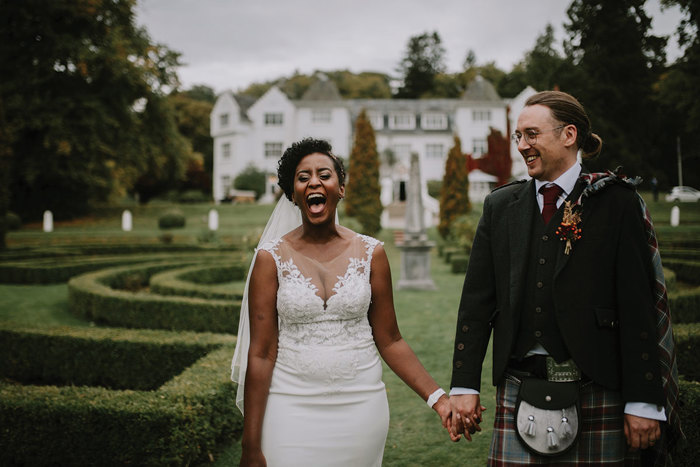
(530, 429)
(565, 430)
(552, 441)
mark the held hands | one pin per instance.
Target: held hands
(466, 415)
(453, 421)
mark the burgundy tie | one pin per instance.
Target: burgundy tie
(551, 195)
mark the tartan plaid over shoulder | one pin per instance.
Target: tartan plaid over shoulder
(667, 353)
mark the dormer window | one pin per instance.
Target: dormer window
(402, 121)
(481, 115)
(223, 120)
(273, 119)
(434, 121)
(321, 115)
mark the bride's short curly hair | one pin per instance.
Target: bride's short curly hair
(287, 165)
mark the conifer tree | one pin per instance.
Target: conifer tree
(454, 196)
(362, 191)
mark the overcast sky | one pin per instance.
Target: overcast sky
(229, 44)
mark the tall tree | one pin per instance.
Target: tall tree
(424, 60)
(84, 95)
(679, 99)
(454, 195)
(619, 61)
(362, 194)
(192, 117)
(5, 170)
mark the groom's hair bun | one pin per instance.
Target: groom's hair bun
(287, 165)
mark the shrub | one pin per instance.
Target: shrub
(251, 178)
(223, 282)
(92, 297)
(687, 342)
(688, 452)
(459, 263)
(172, 219)
(193, 196)
(12, 221)
(181, 422)
(685, 305)
(434, 188)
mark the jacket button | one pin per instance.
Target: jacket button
(465, 328)
(460, 346)
(645, 356)
(538, 333)
(542, 260)
(540, 285)
(458, 364)
(649, 376)
(545, 237)
(538, 309)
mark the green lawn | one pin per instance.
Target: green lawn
(427, 319)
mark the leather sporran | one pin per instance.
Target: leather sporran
(547, 416)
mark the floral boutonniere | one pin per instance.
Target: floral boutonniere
(569, 230)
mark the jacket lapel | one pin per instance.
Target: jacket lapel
(521, 210)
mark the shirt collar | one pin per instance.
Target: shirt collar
(566, 181)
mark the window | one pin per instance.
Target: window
(376, 119)
(273, 150)
(226, 150)
(479, 146)
(223, 120)
(273, 119)
(481, 115)
(402, 121)
(434, 121)
(321, 115)
(434, 151)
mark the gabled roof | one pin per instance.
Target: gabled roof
(323, 89)
(481, 90)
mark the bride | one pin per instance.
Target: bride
(319, 314)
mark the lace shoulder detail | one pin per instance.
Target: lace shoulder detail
(370, 244)
(269, 246)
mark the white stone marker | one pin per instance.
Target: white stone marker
(127, 221)
(675, 216)
(213, 220)
(48, 221)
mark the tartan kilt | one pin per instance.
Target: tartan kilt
(601, 439)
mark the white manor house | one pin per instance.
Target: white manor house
(256, 132)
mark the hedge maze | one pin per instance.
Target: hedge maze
(145, 382)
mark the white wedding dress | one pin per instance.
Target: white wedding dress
(327, 404)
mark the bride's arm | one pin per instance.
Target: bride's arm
(262, 354)
(392, 347)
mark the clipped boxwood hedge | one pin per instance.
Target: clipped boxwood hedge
(459, 263)
(92, 297)
(222, 281)
(686, 270)
(109, 358)
(685, 305)
(687, 342)
(688, 452)
(179, 423)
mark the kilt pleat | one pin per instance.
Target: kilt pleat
(601, 439)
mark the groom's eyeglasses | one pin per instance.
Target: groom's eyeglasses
(531, 135)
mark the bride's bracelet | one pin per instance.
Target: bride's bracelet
(433, 398)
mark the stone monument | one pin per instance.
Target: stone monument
(415, 249)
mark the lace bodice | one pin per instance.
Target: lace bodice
(324, 332)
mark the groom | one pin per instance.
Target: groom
(578, 300)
